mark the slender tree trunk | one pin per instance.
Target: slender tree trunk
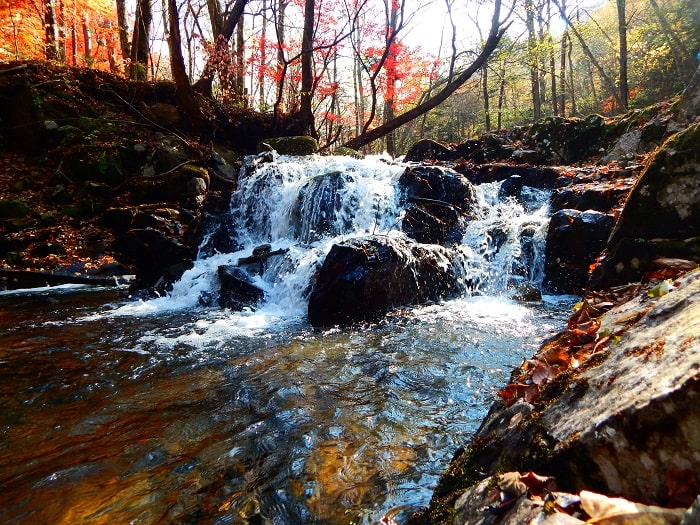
(139, 47)
(533, 62)
(263, 61)
(240, 62)
(307, 68)
(501, 95)
(189, 110)
(86, 39)
(485, 91)
(562, 73)
(51, 30)
(390, 71)
(572, 92)
(124, 44)
(622, 32)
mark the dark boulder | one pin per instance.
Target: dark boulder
(237, 291)
(440, 202)
(661, 217)
(532, 176)
(601, 197)
(151, 254)
(362, 279)
(574, 241)
(427, 149)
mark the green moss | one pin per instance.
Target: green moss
(300, 145)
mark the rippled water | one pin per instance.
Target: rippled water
(207, 416)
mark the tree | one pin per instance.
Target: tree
(138, 69)
(498, 28)
(189, 110)
(204, 84)
(622, 33)
(307, 68)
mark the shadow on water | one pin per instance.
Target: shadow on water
(202, 416)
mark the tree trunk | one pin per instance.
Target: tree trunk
(240, 63)
(485, 91)
(189, 110)
(622, 32)
(204, 83)
(215, 16)
(51, 31)
(138, 69)
(532, 60)
(86, 39)
(497, 31)
(124, 44)
(390, 71)
(307, 68)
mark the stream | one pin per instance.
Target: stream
(173, 410)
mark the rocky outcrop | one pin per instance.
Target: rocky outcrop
(362, 279)
(622, 419)
(298, 145)
(661, 217)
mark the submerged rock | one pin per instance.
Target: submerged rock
(362, 279)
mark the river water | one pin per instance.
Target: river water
(175, 411)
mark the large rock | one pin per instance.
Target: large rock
(440, 203)
(574, 241)
(661, 217)
(152, 255)
(623, 421)
(237, 291)
(362, 279)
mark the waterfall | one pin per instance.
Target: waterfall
(301, 206)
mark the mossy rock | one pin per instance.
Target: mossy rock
(13, 209)
(298, 145)
(346, 152)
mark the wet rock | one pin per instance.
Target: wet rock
(237, 290)
(319, 210)
(574, 241)
(527, 156)
(599, 197)
(624, 423)
(427, 149)
(150, 253)
(119, 220)
(441, 201)
(569, 140)
(298, 145)
(362, 279)
(532, 176)
(661, 217)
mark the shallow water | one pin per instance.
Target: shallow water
(114, 414)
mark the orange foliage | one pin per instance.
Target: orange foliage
(22, 34)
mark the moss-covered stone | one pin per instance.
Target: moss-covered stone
(298, 145)
(13, 209)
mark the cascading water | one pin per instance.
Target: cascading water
(175, 410)
(301, 207)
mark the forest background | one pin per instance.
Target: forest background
(377, 74)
